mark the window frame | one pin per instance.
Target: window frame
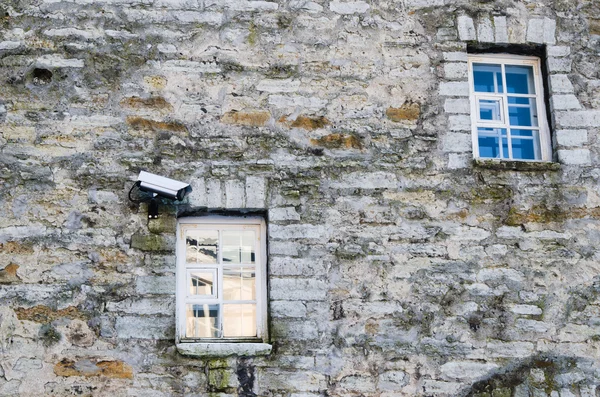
(543, 127)
(220, 222)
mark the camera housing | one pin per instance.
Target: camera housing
(162, 186)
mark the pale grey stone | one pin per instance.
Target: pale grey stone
(392, 380)
(571, 137)
(485, 30)
(466, 28)
(159, 285)
(457, 142)
(283, 214)
(214, 194)
(347, 8)
(564, 102)
(436, 387)
(26, 364)
(455, 71)
(223, 349)
(9, 45)
(583, 118)
(560, 83)
(560, 65)
(526, 309)
(574, 156)
(298, 289)
(454, 89)
(459, 123)
(510, 349)
(136, 327)
(143, 306)
(234, 194)
(285, 266)
(58, 61)
(295, 329)
(288, 309)
(375, 180)
(458, 160)
(255, 192)
(455, 56)
(500, 29)
(558, 51)
(460, 105)
(469, 370)
(284, 85)
(532, 325)
(316, 232)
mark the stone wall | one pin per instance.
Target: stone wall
(397, 266)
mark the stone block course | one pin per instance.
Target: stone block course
(397, 265)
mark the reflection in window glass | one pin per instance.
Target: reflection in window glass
(239, 320)
(202, 282)
(487, 78)
(523, 112)
(239, 283)
(489, 109)
(202, 321)
(201, 246)
(489, 142)
(525, 144)
(238, 246)
(519, 79)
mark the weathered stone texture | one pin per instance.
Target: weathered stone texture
(397, 265)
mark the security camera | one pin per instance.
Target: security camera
(159, 186)
(164, 187)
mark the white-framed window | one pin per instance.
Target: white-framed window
(221, 279)
(507, 108)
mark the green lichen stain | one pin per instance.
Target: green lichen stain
(252, 34)
(218, 379)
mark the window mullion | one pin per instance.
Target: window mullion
(506, 116)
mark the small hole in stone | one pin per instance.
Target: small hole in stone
(41, 76)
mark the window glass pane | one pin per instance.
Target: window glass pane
(202, 321)
(201, 246)
(525, 144)
(487, 77)
(239, 283)
(239, 320)
(202, 282)
(238, 246)
(489, 109)
(489, 142)
(519, 79)
(523, 114)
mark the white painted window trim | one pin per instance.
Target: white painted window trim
(184, 345)
(507, 59)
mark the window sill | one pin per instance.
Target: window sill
(516, 165)
(223, 349)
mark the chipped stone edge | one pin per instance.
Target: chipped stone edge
(517, 165)
(223, 349)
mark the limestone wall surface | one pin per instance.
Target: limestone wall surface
(397, 265)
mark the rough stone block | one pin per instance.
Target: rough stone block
(466, 28)
(457, 142)
(500, 29)
(571, 137)
(564, 102)
(283, 214)
(470, 370)
(295, 330)
(348, 8)
(155, 285)
(542, 31)
(288, 309)
(282, 266)
(255, 192)
(574, 156)
(454, 89)
(234, 194)
(583, 118)
(460, 105)
(392, 380)
(459, 123)
(560, 83)
(455, 71)
(559, 65)
(366, 180)
(298, 289)
(485, 30)
(457, 161)
(153, 242)
(283, 85)
(214, 194)
(151, 327)
(526, 310)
